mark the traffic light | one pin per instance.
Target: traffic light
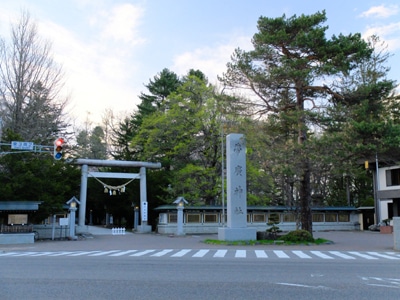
(58, 148)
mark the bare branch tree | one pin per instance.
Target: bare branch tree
(30, 86)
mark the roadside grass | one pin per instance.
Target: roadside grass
(318, 241)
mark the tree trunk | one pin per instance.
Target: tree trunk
(305, 199)
(305, 179)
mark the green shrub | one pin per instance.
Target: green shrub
(298, 236)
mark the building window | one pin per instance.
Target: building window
(392, 177)
(193, 218)
(259, 218)
(344, 217)
(289, 218)
(210, 218)
(172, 218)
(318, 218)
(329, 217)
(274, 218)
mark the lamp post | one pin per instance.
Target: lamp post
(180, 203)
(72, 210)
(135, 217)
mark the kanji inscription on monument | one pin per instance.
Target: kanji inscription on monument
(236, 180)
(236, 191)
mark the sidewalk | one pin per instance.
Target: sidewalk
(102, 239)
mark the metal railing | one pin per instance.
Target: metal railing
(16, 228)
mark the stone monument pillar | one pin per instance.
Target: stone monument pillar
(396, 233)
(236, 229)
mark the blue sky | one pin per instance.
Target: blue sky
(110, 48)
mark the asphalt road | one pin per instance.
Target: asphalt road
(209, 278)
(356, 265)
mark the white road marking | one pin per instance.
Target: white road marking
(162, 253)
(322, 255)
(220, 253)
(362, 255)
(201, 253)
(83, 253)
(382, 255)
(142, 253)
(181, 253)
(342, 255)
(261, 254)
(301, 254)
(123, 253)
(104, 253)
(240, 254)
(281, 254)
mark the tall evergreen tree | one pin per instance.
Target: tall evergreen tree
(291, 57)
(162, 85)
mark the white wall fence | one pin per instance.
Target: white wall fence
(203, 221)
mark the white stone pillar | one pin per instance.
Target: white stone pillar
(236, 192)
(82, 199)
(396, 232)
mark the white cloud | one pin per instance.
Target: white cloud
(381, 11)
(96, 74)
(121, 23)
(389, 33)
(211, 61)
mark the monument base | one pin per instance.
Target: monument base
(144, 229)
(237, 234)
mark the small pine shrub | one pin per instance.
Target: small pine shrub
(298, 236)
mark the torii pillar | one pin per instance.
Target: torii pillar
(144, 227)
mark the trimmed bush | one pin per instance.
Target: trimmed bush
(298, 236)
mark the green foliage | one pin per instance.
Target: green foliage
(186, 139)
(298, 236)
(311, 129)
(91, 144)
(37, 177)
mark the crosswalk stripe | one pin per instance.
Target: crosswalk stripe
(382, 255)
(104, 253)
(362, 255)
(220, 253)
(261, 254)
(161, 253)
(61, 253)
(322, 255)
(216, 253)
(181, 253)
(301, 254)
(342, 255)
(8, 253)
(25, 254)
(201, 253)
(240, 253)
(83, 253)
(123, 253)
(281, 254)
(42, 253)
(142, 253)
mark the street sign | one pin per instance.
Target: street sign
(21, 145)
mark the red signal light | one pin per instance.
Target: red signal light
(58, 148)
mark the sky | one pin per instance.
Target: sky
(110, 49)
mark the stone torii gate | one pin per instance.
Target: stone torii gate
(115, 163)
